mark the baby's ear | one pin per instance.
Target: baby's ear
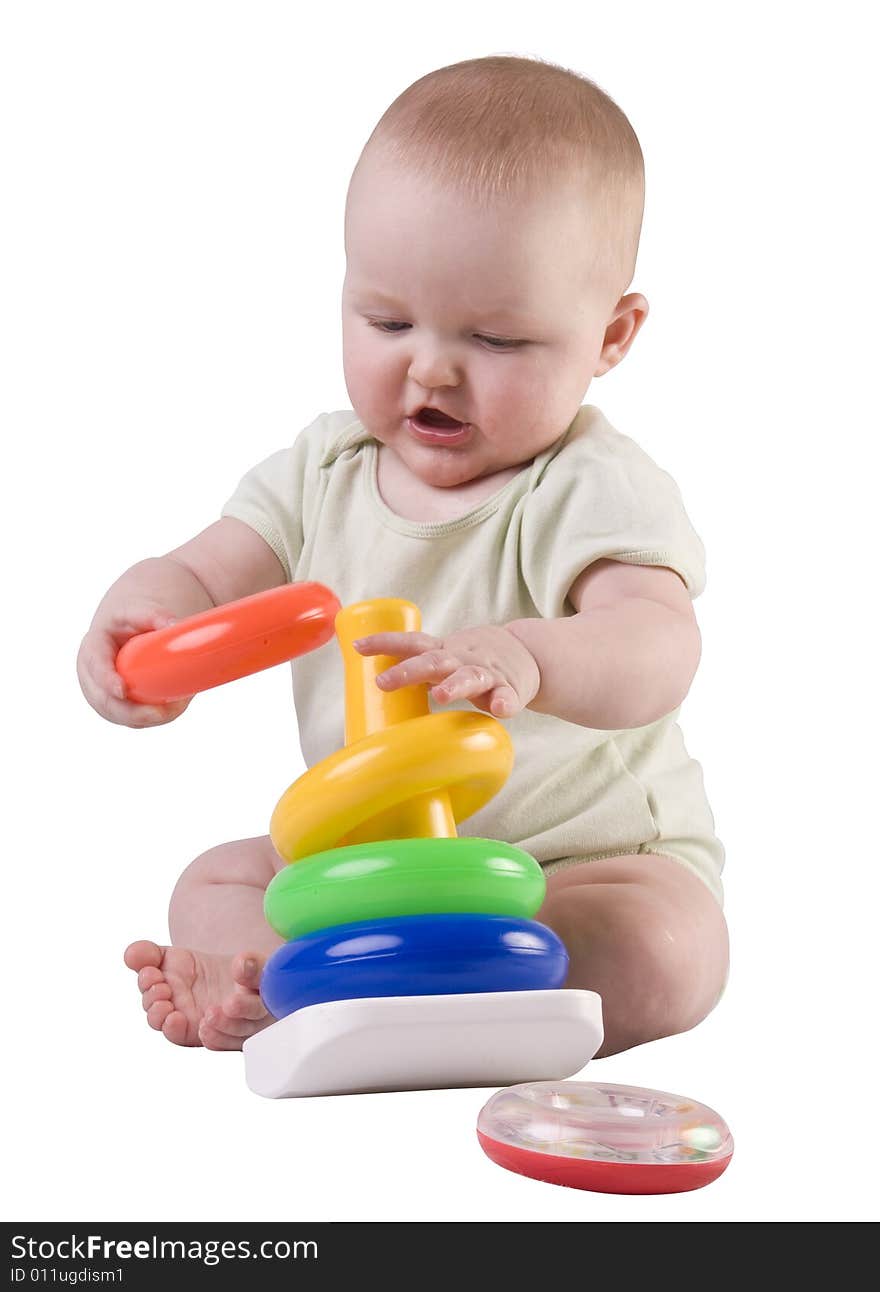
(626, 319)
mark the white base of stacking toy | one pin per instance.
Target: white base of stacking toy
(425, 1043)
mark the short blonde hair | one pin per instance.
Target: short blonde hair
(507, 127)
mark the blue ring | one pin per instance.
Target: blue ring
(413, 955)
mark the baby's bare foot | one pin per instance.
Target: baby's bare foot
(196, 998)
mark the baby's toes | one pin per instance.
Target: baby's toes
(149, 977)
(230, 1025)
(244, 1005)
(220, 1030)
(159, 991)
(247, 970)
(217, 1032)
(140, 954)
(176, 1029)
(158, 1012)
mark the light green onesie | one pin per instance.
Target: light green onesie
(574, 793)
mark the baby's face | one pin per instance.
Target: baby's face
(488, 314)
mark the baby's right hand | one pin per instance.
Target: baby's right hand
(96, 664)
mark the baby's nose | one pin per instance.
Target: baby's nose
(434, 366)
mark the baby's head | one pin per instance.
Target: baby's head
(491, 231)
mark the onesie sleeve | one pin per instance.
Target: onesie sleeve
(601, 496)
(272, 496)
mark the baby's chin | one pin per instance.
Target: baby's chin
(443, 468)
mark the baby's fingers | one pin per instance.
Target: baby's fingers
(97, 668)
(475, 683)
(125, 713)
(144, 715)
(139, 617)
(504, 702)
(397, 645)
(466, 683)
(100, 652)
(105, 690)
(433, 666)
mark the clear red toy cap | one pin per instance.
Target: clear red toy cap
(610, 1139)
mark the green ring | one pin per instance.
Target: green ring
(369, 881)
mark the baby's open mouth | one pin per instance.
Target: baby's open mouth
(436, 420)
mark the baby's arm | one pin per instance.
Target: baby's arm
(628, 656)
(625, 659)
(226, 561)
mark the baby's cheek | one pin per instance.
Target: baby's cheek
(377, 381)
(518, 396)
(356, 364)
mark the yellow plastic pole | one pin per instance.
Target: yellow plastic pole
(368, 709)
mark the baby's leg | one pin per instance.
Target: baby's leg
(204, 989)
(647, 934)
(217, 904)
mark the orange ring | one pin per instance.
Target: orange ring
(228, 641)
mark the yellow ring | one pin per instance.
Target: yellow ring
(468, 754)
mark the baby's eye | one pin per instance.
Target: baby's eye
(391, 328)
(499, 342)
(383, 324)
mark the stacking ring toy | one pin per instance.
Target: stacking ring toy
(371, 831)
(414, 955)
(611, 1139)
(469, 755)
(396, 877)
(226, 642)
(404, 772)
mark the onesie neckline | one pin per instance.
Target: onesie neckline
(437, 528)
(355, 436)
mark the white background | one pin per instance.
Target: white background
(172, 258)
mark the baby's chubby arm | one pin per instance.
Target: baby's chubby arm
(226, 561)
(625, 659)
(628, 656)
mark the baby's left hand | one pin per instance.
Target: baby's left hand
(488, 666)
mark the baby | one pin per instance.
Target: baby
(491, 230)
